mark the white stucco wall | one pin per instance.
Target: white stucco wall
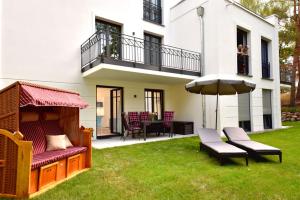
(40, 42)
(221, 20)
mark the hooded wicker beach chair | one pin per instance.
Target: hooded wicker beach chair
(29, 115)
(213, 144)
(239, 138)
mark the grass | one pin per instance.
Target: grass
(175, 169)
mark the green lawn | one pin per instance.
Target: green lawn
(175, 169)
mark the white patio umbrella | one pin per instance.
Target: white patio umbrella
(219, 84)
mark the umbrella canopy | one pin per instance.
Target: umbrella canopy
(220, 84)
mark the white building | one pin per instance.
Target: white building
(124, 67)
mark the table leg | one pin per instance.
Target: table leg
(145, 129)
(171, 129)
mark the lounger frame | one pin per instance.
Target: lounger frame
(222, 156)
(256, 153)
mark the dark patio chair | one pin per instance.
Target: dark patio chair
(129, 128)
(168, 120)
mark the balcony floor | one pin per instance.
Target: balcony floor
(119, 72)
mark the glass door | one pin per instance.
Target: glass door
(152, 52)
(116, 110)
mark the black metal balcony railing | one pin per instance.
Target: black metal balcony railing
(115, 48)
(152, 12)
(243, 64)
(266, 72)
(286, 75)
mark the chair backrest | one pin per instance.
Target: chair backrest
(208, 135)
(124, 121)
(168, 118)
(168, 115)
(144, 116)
(236, 134)
(134, 119)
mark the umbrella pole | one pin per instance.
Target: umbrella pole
(217, 111)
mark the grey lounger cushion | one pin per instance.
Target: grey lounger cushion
(212, 139)
(239, 136)
(236, 134)
(224, 148)
(209, 135)
(256, 146)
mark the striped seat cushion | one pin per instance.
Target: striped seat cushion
(49, 157)
(33, 131)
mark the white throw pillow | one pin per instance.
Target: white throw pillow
(56, 142)
(68, 142)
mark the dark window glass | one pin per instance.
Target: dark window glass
(244, 111)
(267, 108)
(265, 59)
(152, 51)
(154, 102)
(152, 11)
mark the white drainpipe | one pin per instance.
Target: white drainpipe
(200, 13)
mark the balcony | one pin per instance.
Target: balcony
(122, 50)
(242, 64)
(152, 12)
(266, 73)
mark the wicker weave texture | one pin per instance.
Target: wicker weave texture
(9, 109)
(8, 172)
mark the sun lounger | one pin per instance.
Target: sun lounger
(213, 144)
(239, 138)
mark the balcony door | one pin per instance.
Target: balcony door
(110, 39)
(242, 52)
(152, 52)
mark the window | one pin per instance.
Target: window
(244, 111)
(152, 11)
(267, 108)
(242, 52)
(110, 45)
(152, 52)
(154, 102)
(265, 64)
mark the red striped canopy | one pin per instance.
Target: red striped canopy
(37, 95)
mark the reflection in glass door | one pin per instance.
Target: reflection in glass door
(115, 96)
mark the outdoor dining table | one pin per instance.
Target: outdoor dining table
(158, 124)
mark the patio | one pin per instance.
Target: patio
(117, 141)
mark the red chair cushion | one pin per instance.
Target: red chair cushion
(168, 117)
(144, 116)
(49, 157)
(134, 120)
(33, 131)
